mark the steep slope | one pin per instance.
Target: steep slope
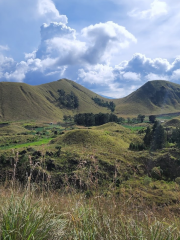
(154, 97)
(20, 101)
(86, 104)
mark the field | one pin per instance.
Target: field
(61, 182)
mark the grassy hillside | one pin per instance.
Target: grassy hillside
(20, 101)
(86, 104)
(109, 137)
(154, 97)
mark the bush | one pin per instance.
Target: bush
(156, 173)
(2, 159)
(177, 180)
(147, 181)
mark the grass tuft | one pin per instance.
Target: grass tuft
(21, 219)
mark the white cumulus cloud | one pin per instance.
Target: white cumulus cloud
(19, 74)
(156, 9)
(105, 40)
(152, 76)
(98, 74)
(48, 9)
(176, 75)
(132, 76)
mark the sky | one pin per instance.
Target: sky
(111, 47)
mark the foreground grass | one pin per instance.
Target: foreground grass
(71, 216)
(21, 219)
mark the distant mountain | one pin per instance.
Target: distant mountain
(20, 101)
(154, 97)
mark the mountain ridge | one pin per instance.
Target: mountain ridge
(20, 101)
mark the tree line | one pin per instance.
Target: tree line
(90, 119)
(111, 105)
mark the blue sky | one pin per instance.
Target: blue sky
(111, 47)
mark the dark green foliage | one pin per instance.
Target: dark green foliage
(155, 138)
(90, 119)
(159, 136)
(129, 120)
(152, 118)
(175, 137)
(137, 147)
(111, 105)
(121, 120)
(70, 101)
(134, 120)
(148, 137)
(2, 159)
(140, 118)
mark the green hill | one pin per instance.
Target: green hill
(154, 97)
(108, 137)
(20, 101)
(49, 102)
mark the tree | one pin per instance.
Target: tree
(121, 120)
(134, 120)
(155, 138)
(148, 137)
(128, 120)
(141, 118)
(175, 137)
(159, 136)
(152, 118)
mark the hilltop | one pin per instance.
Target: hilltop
(20, 101)
(154, 97)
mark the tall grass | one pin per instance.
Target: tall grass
(21, 219)
(91, 222)
(74, 217)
